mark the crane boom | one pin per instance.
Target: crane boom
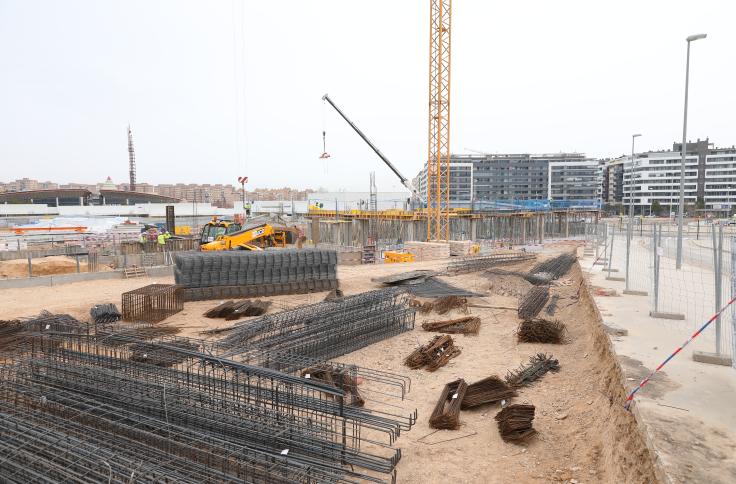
(404, 181)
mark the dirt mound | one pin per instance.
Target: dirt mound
(46, 266)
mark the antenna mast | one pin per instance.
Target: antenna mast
(131, 160)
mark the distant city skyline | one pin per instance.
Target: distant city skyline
(222, 195)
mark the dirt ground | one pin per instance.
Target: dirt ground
(585, 435)
(46, 266)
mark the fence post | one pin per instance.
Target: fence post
(718, 273)
(77, 257)
(629, 233)
(30, 266)
(655, 268)
(610, 256)
(733, 309)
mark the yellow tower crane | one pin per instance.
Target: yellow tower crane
(438, 160)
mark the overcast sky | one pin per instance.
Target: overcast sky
(218, 89)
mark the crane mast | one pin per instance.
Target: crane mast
(438, 159)
(131, 161)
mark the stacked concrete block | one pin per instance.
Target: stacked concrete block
(428, 250)
(461, 247)
(232, 274)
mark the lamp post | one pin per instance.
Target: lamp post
(630, 228)
(681, 207)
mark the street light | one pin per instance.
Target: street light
(681, 208)
(630, 229)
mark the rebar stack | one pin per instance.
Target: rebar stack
(105, 313)
(469, 264)
(446, 413)
(323, 330)
(551, 269)
(237, 274)
(74, 409)
(537, 367)
(532, 302)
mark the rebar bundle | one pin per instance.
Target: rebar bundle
(324, 330)
(468, 264)
(552, 269)
(434, 354)
(47, 321)
(122, 334)
(78, 410)
(446, 413)
(515, 422)
(537, 367)
(488, 390)
(421, 307)
(532, 302)
(16, 335)
(410, 277)
(442, 305)
(339, 378)
(105, 313)
(433, 287)
(464, 325)
(213, 275)
(446, 304)
(233, 310)
(540, 330)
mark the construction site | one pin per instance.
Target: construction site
(152, 341)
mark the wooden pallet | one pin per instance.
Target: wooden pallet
(134, 271)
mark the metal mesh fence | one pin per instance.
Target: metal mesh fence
(681, 299)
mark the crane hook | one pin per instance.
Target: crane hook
(324, 154)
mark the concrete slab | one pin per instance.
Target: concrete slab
(711, 358)
(661, 315)
(614, 278)
(631, 292)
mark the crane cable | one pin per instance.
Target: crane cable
(325, 155)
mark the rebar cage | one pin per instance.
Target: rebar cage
(152, 303)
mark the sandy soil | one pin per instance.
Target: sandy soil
(46, 266)
(585, 435)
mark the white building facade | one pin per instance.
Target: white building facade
(710, 178)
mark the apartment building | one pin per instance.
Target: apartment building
(484, 180)
(575, 181)
(26, 185)
(710, 178)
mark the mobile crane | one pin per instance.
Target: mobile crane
(404, 181)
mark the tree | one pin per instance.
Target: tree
(700, 204)
(656, 207)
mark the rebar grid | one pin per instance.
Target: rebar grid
(468, 264)
(327, 329)
(69, 435)
(239, 404)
